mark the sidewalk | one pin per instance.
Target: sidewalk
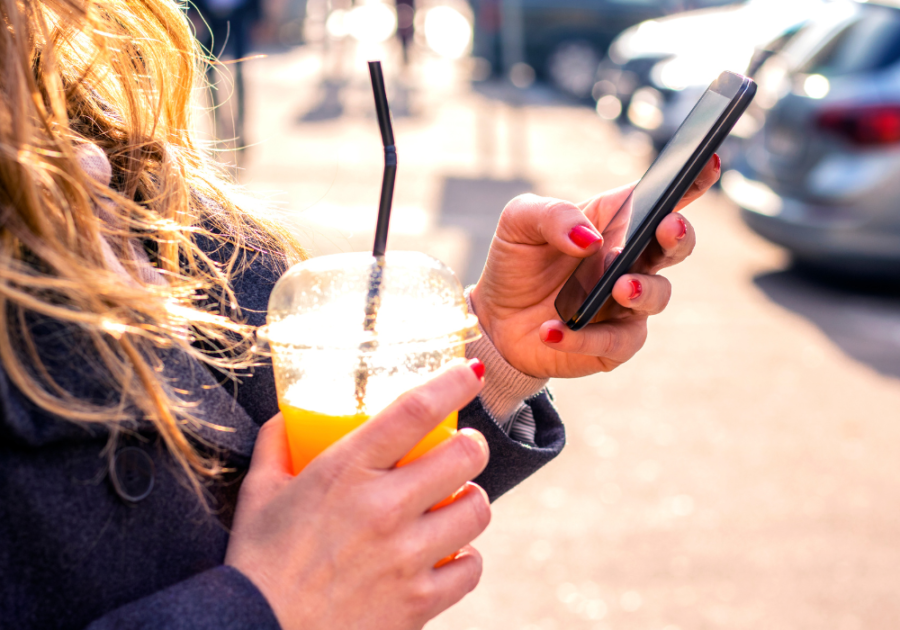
(739, 473)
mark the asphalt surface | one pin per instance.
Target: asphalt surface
(741, 472)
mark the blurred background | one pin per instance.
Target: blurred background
(742, 471)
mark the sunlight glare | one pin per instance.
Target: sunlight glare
(448, 32)
(372, 23)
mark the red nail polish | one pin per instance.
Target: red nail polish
(477, 367)
(717, 161)
(636, 290)
(583, 237)
(553, 336)
(683, 231)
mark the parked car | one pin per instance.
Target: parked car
(565, 40)
(658, 69)
(822, 175)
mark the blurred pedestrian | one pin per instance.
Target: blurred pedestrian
(224, 28)
(406, 15)
(487, 43)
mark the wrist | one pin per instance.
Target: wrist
(478, 308)
(505, 387)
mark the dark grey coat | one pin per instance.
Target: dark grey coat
(89, 543)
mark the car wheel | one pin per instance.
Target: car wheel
(572, 67)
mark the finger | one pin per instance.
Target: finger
(271, 453)
(441, 471)
(707, 177)
(443, 532)
(644, 295)
(600, 208)
(270, 466)
(533, 220)
(675, 241)
(456, 579)
(384, 440)
(616, 340)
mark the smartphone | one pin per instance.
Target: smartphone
(670, 176)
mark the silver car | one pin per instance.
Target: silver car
(821, 176)
(658, 69)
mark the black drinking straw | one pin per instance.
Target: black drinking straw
(390, 158)
(376, 274)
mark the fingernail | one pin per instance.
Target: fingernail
(636, 290)
(453, 556)
(477, 367)
(717, 161)
(553, 336)
(683, 232)
(583, 237)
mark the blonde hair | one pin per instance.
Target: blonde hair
(118, 74)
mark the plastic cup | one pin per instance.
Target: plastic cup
(321, 352)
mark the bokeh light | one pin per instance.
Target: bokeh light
(816, 86)
(448, 32)
(371, 23)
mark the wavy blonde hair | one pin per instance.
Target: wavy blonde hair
(118, 74)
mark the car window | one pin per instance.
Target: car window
(868, 43)
(780, 42)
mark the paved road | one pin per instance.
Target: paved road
(741, 472)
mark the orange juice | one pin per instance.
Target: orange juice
(310, 432)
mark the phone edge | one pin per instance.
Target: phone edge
(740, 101)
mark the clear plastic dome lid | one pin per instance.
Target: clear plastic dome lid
(321, 303)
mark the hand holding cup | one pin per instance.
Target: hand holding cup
(351, 542)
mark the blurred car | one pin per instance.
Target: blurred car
(658, 69)
(821, 177)
(565, 40)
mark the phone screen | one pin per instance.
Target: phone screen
(640, 203)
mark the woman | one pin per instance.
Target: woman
(143, 466)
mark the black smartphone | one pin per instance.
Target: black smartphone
(670, 176)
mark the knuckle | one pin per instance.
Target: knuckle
(518, 204)
(525, 199)
(556, 211)
(408, 556)
(579, 343)
(423, 596)
(555, 206)
(480, 510)
(612, 346)
(383, 515)
(266, 429)
(328, 472)
(599, 343)
(420, 403)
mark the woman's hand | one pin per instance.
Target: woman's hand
(350, 541)
(538, 244)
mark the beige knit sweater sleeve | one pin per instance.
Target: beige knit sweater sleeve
(505, 387)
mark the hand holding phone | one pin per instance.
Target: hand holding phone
(587, 292)
(533, 254)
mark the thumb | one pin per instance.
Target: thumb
(533, 220)
(270, 468)
(270, 453)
